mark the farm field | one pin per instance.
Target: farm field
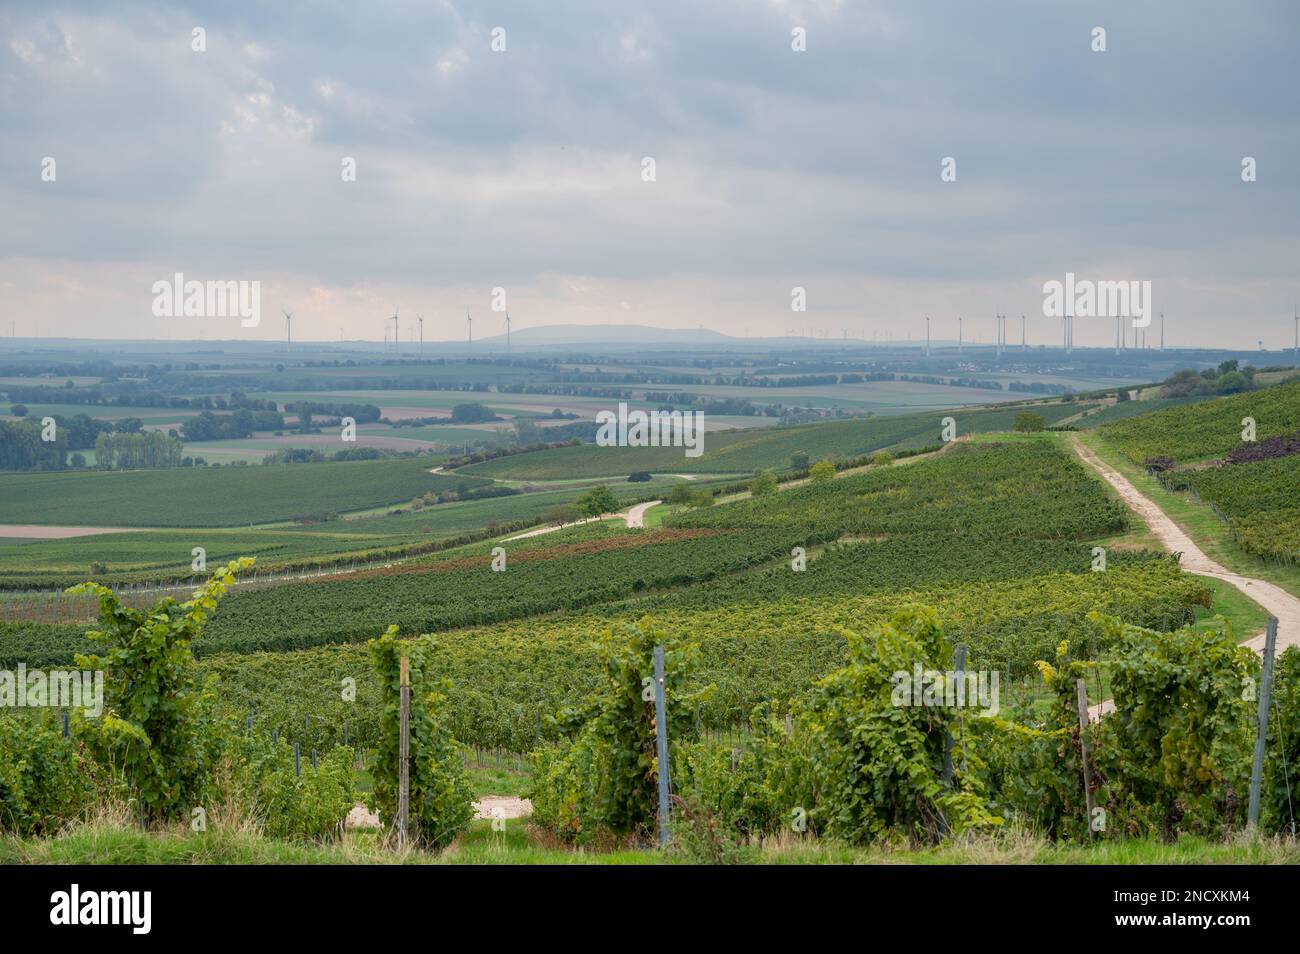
(207, 497)
(1207, 429)
(995, 536)
(757, 450)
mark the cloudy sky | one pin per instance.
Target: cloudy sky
(524, 168)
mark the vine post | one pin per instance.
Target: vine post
(404, 753)
(1081, 690)
(1261, 733)
(661, 733)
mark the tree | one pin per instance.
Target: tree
(18, 410)
(764, 484)
(680, 494)
(822, 471)
(882, 458)
(799, 460)
(597, 501)
(1233, 382)
(1027, 422)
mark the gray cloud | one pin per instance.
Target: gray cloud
(775, 168)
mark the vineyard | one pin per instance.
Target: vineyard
(1260, 502)
(218, 496)
(156, 555)
(1207, 429)
(996, 539)
(760, 449)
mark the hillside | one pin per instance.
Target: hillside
(750, 451)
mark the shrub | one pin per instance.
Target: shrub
(1177, 749)
(764, 484)
(1028, 422)
(822, 471)
(155, 727)
(882, 458)
(313, 805)
(441, 801)
(44, 780)
(602, 779)
(1281, 788)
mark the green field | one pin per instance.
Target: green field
(216, 497)
(754, 450)
(1207, 429)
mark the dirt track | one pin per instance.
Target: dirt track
(1277, 601)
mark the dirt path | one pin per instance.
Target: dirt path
(1277, 601)
(32, 531)
(489, 806)
(633, 517)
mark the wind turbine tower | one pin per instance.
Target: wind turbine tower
(927, 336)
(288, 330)
(508, 334)
(420, 319)
(397, 341)
(469, 324)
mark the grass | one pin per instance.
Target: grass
(1196, 520)
(114, 843)
(216, 497)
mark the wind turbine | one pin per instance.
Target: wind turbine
(420, 319)
(1022, 332)
(397, 341)
(469, 323)
(508, 334)
(927, 336)
(288, 330)
(1295, 354)
(959, 334)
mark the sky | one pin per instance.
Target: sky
(500, 154)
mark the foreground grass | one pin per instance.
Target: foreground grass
(113, 843)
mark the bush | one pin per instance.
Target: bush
(1281, 788)
(602, 779)
(822, 471)
(764, 484)
(441, 801)
(18, 410)
(1177, 750)
(44, 780)
(155, 728)
(638, 477)
(1027, 422)
(312, 806)
(882, 458)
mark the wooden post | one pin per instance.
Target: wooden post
(404, 754)
(1261, 732)
(959, 669)
(1082, 695)
(661, 731)
(297, 762)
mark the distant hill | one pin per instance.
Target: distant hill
(609, 334)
